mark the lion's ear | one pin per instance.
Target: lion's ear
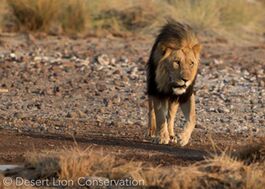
(162, 49)
(197, 49)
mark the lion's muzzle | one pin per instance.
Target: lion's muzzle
(179, 87)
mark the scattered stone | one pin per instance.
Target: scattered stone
(54, 82)
(103, 59)
(216, 61)
(118, 72)
(13, 56)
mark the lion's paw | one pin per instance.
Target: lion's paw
(160, 140)
(173, 140)
(149, 136)
(184, 138)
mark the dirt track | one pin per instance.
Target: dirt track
(14, 146)
(93, 90)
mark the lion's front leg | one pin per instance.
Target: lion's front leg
(152, 118)
(161, 111)
(188, 109)
(172, 110)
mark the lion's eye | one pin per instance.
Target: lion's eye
(176, 64)
(192, 63)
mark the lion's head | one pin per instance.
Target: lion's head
(177, 58)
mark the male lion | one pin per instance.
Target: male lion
(171, 74)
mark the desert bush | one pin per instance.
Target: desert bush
(34, 15)
(42, 15)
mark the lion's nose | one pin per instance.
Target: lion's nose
(184, 79)
(177, 84)
(174, 85)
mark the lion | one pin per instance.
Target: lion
(171, 74)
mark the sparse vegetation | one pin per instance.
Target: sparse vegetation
(56, 72)
(33, 15)
(213, 14)
(44, 15)
(73, 16)
(134, 16)
(217, 172)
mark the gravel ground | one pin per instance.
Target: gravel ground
(97, 85)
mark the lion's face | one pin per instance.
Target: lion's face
(177, 69)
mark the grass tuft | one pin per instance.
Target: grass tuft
(217, 172)
(33, 15)
(43, 15)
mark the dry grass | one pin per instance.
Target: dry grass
(45, 15)
(125, 16)
(199, 14)
(135, 15)
(76, 162)
(217, 172)
(3, 11)
(33, 15)
(213, 13)
(74, 16)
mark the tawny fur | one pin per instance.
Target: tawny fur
(171, 74)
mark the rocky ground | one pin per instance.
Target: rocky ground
(96, 87)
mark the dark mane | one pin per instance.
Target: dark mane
(173, 35)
